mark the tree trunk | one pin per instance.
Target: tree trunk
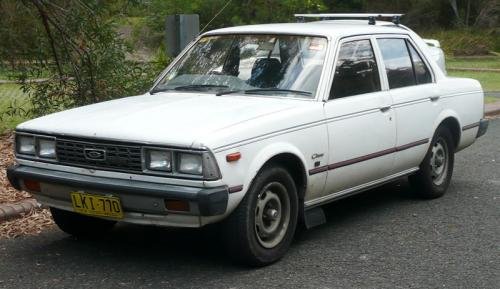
(467, 14)
(454, 6)
(46, 25)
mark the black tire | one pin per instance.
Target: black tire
(427, 182)
(246, 228)
(81, 225)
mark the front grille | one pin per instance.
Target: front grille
(118, 157)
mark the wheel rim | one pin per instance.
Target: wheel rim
(272, 214)
(439, 161)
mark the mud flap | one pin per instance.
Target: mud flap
(314, 217)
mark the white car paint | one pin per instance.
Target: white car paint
(317, 131)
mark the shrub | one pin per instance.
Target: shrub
(464, 42)
(81, 53)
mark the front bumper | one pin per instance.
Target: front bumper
(138, 197)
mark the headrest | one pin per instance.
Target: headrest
(265, 73)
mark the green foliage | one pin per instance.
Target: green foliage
(464, 42)
(237, 12)
(160, 58)
(489, 80)
(84, 49)
(13, 106)
(474, 62)
(83, 55)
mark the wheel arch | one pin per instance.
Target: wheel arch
(451, 120)
(284, 154)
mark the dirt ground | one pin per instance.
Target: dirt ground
(32, 223)
(7, 193)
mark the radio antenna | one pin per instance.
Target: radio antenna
(220, 11)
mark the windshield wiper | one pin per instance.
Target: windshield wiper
(256, 91)
(196, 87)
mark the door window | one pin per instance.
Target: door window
(397, 62)
(403, 65)
(356, 70)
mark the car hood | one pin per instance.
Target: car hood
(177, 119)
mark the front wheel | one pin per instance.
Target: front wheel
(434, 176)
(261, 229)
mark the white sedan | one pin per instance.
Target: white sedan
(256, 126)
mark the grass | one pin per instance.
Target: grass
(489, 80)
(4, 73)
(483, 62)
(491, 99)
(11, 95)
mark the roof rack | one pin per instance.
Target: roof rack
(370, 16)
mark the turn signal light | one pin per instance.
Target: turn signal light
(32, 185)
(233, 157)
(177, 205)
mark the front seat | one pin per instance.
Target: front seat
(265, 73)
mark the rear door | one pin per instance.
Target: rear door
(415, 95)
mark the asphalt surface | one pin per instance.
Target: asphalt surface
(384, 238)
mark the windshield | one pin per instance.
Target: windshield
(265, 64)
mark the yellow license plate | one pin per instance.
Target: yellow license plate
(96, 205)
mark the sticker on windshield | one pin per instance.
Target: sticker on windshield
(316, 45)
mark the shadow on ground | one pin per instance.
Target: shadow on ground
(140, 245)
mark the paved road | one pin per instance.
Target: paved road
(384, 238)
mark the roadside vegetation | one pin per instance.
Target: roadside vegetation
(13, 105)
(489, 62)
(489, 80)
(91, 51)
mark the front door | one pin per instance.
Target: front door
(360, 120)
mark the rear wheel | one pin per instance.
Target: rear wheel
(434, 176)
(261, 229)
(80, 225)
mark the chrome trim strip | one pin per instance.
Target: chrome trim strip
(293, 129)
(325, 121)
(127, 144)
(124, 176)
(411, 102)
(357, 189)
(460, 93)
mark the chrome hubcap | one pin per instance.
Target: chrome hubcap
(272, 215)
(439, 161)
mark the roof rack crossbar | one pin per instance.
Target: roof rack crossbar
(370, 16)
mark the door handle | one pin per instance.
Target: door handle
(385, 108)
(434, 98)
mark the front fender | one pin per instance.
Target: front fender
(260, 156)
(267, 153)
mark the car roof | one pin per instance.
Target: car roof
(325, 28)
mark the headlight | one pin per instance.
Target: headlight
(190, 163)
(46, 148)
(25, 145)
(159, 160)
(182, 163)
